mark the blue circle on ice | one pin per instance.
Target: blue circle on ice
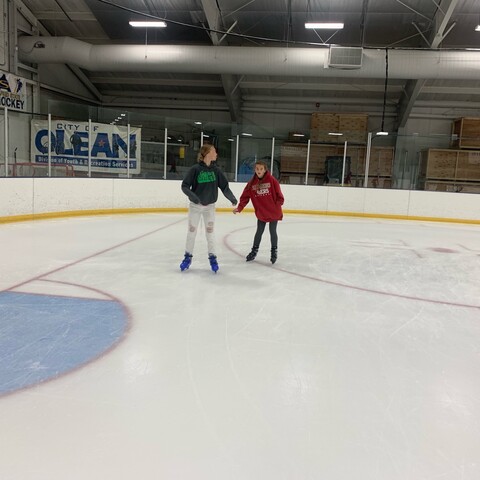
(44, 336)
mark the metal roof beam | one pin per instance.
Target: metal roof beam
(167, 82)
(213, 16)
(414, 87)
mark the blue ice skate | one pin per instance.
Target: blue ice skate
(186, 262)
(213, 262)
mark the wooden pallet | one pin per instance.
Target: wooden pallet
(467, 132)
(450, 164)
(293, 158)
(353, 126)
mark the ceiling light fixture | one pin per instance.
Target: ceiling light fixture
(337, 134)
(324, 26)
(477, 28)
(147, 24)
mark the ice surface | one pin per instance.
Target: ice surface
(356, 356)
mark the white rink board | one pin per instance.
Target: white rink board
(20, 196)
(445, 205)
(72, 194)
(16, 196)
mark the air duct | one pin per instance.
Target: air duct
(345, 58)
(308, 62)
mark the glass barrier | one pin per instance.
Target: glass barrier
(21, 135)
(3, 142)
(90, 141)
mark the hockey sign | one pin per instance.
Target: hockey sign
(12, 92)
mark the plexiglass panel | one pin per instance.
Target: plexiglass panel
(89, 141)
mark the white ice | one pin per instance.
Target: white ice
(356, 356)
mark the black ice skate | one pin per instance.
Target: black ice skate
(253, 254)
(273, 254)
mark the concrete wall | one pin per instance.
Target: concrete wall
(29, 198)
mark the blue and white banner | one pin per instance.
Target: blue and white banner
(13, 93)
(69, 146)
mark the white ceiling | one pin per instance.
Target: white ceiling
(392, 24)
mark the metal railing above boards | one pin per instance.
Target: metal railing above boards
(86, 144)
(48, 145)
(433, 162)
(338, 163)
(32, 169)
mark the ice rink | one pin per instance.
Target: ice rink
(355, 357)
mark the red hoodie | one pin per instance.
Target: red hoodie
(266, 197)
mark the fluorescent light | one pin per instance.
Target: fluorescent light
(382, 133)
(336, 134)
(477, 28)
(247, 134)
(147, 24)
(231, 140)
(197, 123)
(325, 26)
(298, 135)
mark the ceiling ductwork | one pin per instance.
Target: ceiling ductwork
(308, 62)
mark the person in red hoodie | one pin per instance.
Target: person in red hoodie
(267, 198)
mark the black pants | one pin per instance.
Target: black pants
(261, 228)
